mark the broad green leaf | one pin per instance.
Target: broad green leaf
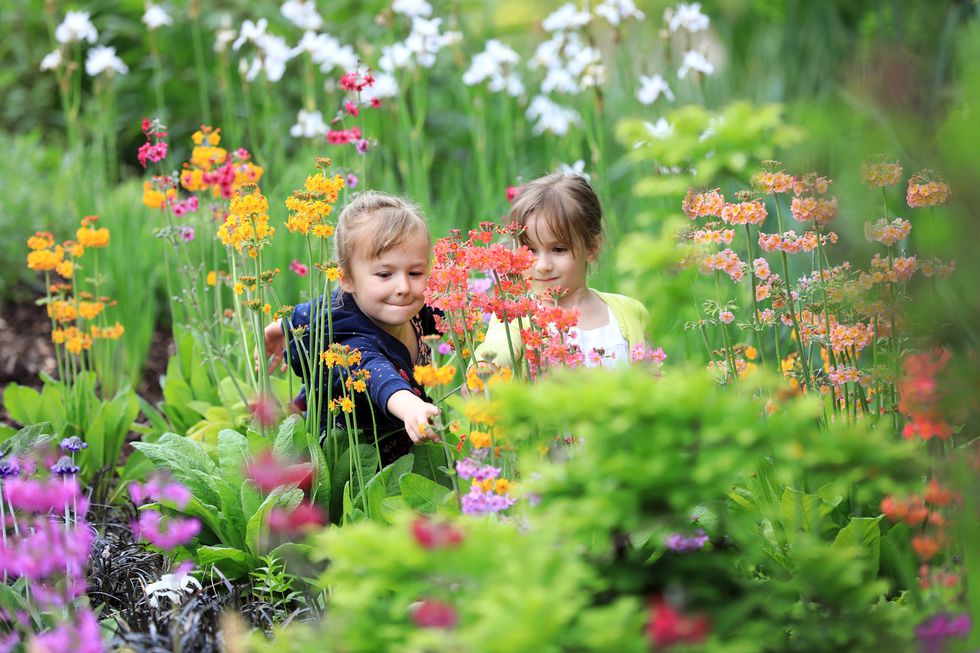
(862, 537)
(6, 432)
(233, 563)
(344, 471)
(320, 488)
(421, 493)
(429, 458)
(54, 408)
(291, 437)
(22, 403)
(250, 498)
(186, 461)
(27, 439)
(233, 456)
(153, 416)
(799, 511)
(392, 505)
(257, 530)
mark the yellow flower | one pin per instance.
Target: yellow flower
(90, 237)
(90, 310)
(45, 259)
(323, 230)
(431, 376)
(267, 308)
(334, 273)
(65, 269)
(479, 439)
(329, 358)
(57, 336)
(750, 352)
(502, 486)
(62, 312)
(212, 278)
(239, 288)
(347, 404)
(40, 240)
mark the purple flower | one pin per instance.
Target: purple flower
(362, 146)
(9, 468)
(933, 632)
(444, 349)
(352, 181)
(166, 533)
(74, 443)
(480, 286)
(43, 496)
(80, 637)
(478, 502)
(186, 233)
(160, 488)
(64, 466)
(681, 544)
(469, 468)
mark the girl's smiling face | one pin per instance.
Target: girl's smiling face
(390, 289)
(556, 263)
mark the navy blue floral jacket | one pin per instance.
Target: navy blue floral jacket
(382, 354)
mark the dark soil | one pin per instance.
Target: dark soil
(26, 350)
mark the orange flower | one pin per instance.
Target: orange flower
(926, 546)
(40, 240)
(937, 495)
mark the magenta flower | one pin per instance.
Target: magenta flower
(444, 348)
(352, 181)
(42, 497)
(933, 632)
(432, 613)
(478, 502)
(680, 544)
(299, 268)
(166, 533)
(160, 488)
(79, 637)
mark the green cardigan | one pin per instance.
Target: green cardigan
(631, 315)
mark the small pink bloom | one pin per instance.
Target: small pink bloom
(726, 316)
(351, 108)
(432, 613)
(299, 268)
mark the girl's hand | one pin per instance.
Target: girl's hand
(275, 343)
(414, 413)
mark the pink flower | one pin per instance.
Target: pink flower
(435, 535)
(301, 519)
(376, 102)
(432, 613)
(352, 181)
(269, 473)
(726, 316)
(166, 533)
(351, 108)
(444, 348)
(299, 268)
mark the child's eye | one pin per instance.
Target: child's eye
(416, 274)
(383, 275)
(559, 250)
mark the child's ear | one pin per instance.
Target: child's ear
(345, 284)
(594, 250)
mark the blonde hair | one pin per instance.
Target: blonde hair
(380, 221)
(567, 204)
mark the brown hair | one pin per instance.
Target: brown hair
(568, 205)
(379, 220)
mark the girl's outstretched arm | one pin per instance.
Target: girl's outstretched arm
(414, 412)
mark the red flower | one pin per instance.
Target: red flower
(351, 108)
(432, 613)
(435, 535)
(304, 517)
(268, 472)
(513, 192)
(668, 626)
(376, 102)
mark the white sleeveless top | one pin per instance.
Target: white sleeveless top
(604, 346)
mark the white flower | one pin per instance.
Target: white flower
(594, 75)
(425, 41)
(577, 168)
(510, 83)
(76, 27)
(171, 586)
(548, 53)
(327, 51)
(156, 17)
(309, 124)
(566, 17)
(661, 130)
(686, 16)
(222, 38)
(385, 86)
(412, 8)
(694, 60)
(560, 80)
(250, 32)
(616, 11)
(102, 58)
(651, 88)
(302, 14)
(394, 57)
(51, 60)
(274, 53)
(551, 117)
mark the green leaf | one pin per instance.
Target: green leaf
(186, 461)
(27, 438)
(429, 458)
(390, 506)
(342, 473)
(54, 408)
(233, 456)
(320, 488)
(250, 499)
(862, 537)
(421, 493)
(233, 563)
(257, 530)
(800, 511)
(6, 432)
(22, 403)
(291, 437)
(153, 416)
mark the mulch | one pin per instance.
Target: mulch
(26, 350)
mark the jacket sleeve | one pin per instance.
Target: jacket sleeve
(386, 379)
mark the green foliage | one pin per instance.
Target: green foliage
(77, 409)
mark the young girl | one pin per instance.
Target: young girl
(382, 247)
(562, 217)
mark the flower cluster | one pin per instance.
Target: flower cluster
(924, 513)
(488, 493)
(310, 207)
(887, 233)
(162, 531)
(432, 375)
(246, 227)
(926, 189)
(920, 397)
(154, 149)
(700, 205)
(879, 175)
(744, 213)
(213, 168)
